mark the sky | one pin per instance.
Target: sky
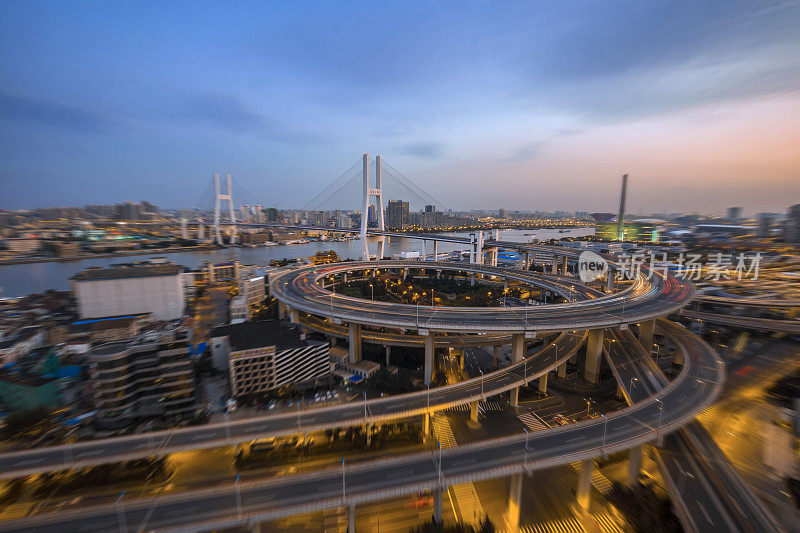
(484, 105)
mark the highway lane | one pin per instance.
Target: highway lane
(244, 503)
(709, 493)
(746, 322)
(646, 298)
(639, 377)
(401, 339)
(303, 420)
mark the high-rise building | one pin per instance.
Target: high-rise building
(150, 375)
(155, 288)
(734, 213)
(430, 208)
(396, 214)
(792, 231)
(262, 356)
(501, 213)
(765, 221)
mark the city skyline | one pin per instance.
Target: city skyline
(529, 108)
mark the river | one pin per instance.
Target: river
(20, 280)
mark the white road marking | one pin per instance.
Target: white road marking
(705, 513)
(576, 438)
(30, 462)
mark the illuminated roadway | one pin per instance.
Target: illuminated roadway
(251, 502)
(646, 298)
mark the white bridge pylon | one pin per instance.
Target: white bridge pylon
(369, 193)
(229, 197)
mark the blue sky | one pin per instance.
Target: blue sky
(527, 105)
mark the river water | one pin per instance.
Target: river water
(20, 280)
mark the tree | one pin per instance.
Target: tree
(23, 422)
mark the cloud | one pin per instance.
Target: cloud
(526, 152)
(424, 150)
(45, 113)
(229, 113)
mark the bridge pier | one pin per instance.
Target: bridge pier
(635, 456)
(496, 357)
(555, 265)
(594, 349)
(543, 384)
(351, 518)
(517, 355)
(566, 265)
(355, 343)
(388, 354)
(281, 310)
(514, 502)
(562, 371)
(426, 427)
(438, 273)
(294, 316)
(436, 255)
(584, 492)
(473, 410)
(646, 330)
(429, 357)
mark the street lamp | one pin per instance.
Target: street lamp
(344, 487)
(481, 371)
(704, 385)
(238, 497)
(123, 524)
(660, 411)
(588, 402)
(630, 389)
(605, 429)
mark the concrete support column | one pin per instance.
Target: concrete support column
(388, 355)
(646, 330)
(517, 347)
(496, 356)
(424, 250)
(555, 265)
(678, 360)
(405, 273)
(426, 427)
(429, 353)
(436, 253)
(584, 492)
(438, 497)
(562, 371)
(472, 279)
(594, 349)
(514, 502)
(294, 316)
(281, 310)
(368, 434)
(351, 518)
(438, 273)
(634, 465)
(566, 265)
(513, 397)
(344, 277)
(355, 343)
(332, 340)
(543, 384)
(473, 411)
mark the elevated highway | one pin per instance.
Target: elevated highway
(240, 504)
(646, 299)
(745, 322)
(303, 420)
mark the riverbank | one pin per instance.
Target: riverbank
(131, 253)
